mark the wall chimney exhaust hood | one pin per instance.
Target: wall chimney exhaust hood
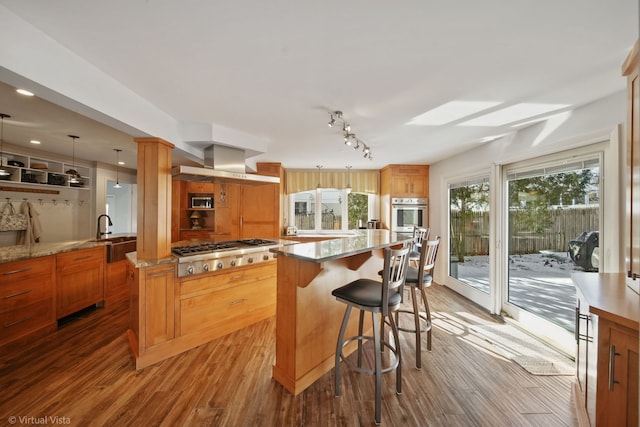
(222, 165)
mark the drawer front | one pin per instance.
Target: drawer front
(238, 276)
(15, 323)
(19, 293)
(25, 269)
(228, 310)
(81, 256)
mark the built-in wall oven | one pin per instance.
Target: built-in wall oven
(407, 213)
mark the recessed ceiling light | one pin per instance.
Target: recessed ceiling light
(24, 92)
(121, 162)
(513, 113)
(33, 141)
(450, 112)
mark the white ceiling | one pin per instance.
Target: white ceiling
(273, 70)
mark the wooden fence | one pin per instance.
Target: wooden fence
(565, 225)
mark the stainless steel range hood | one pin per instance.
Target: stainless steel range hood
(222, 165)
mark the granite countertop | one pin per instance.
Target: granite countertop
(21, 252)
(327, 250)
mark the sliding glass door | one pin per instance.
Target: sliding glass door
(553, 217)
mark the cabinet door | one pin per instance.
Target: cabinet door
(79, 280)
(158, 298)
(259, 211)
(617, 402)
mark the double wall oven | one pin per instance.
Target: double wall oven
(407, 213)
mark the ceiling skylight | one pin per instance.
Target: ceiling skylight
(512, 114)
(450, 112)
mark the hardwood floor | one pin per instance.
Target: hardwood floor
(84, 372)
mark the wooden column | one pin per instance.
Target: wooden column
(154, 199)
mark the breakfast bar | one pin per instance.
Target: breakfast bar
(307, 315)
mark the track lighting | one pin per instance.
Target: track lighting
(349, 137)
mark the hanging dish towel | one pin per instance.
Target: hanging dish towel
(34, 229)
(10, 220)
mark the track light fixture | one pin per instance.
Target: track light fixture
(350, 138)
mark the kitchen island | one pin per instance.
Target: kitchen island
(307, 315)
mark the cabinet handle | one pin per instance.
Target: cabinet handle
(576, 331)
(83, 257)
(17, 294)
(612, 366)
(16, 271)
(24, 319)
(238, 301)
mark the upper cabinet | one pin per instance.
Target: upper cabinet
(405, 180)
(36, 171)
(632, 240)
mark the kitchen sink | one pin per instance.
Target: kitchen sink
(117, 247)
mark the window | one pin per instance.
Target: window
(329, 209)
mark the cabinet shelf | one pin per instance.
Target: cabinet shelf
(39, 172)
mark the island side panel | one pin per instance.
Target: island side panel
(308, 316)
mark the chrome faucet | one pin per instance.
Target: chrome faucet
(99, 234)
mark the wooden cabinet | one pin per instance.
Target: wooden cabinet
(183, 226)
(405, 180)
(220, 303)
(401, 181)
(609, 379)
(617, 394)
(79, 280)
(27, 291)
(38, 172)
(116, 286)
(632, 238)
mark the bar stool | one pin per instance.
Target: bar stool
(417, 280)
(368, 295)
(420, 234)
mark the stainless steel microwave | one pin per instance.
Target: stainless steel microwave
(201, 201)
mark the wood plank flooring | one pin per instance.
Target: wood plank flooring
(84, 372)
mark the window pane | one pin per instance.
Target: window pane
(331, 207)
(304, 204)
(358, 210)
(469, 235)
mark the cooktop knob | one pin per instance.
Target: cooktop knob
(219, 265)
(205, 267)
(265, 257)
(190, 269)
(250, 260)
(233, 263)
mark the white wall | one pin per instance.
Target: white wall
(586, 125)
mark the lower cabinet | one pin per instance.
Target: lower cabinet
(218, 304)
(79, 280)
(27, 291)
(116, 286)
(617, 401)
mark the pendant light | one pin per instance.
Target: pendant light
(319, 187)
(117, 150)
(3, 171)
(75, 176)
(348, 179)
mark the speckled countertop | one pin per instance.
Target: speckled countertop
(342, 247)
(20, 252)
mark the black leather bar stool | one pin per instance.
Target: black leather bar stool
(376, 298)
(417, 280)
